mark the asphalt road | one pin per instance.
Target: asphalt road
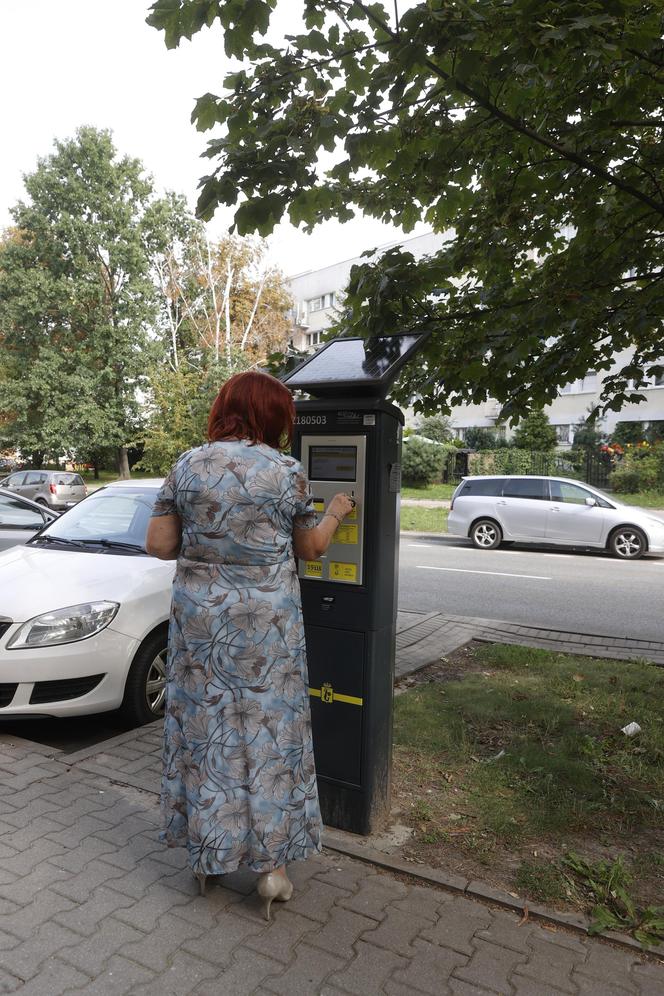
(580, 591)
(586, 592)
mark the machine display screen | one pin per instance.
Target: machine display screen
(333, 463)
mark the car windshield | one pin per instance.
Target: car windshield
(108, 516)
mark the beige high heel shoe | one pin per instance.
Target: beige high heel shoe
(273, 886)
(202, 881)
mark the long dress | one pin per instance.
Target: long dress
(239, 783)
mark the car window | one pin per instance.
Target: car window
(571, 494)
(34, 477)
(15, 513)
(113, 515)
(15, 479)
(526, 487)
(489, 487)
(70, 480)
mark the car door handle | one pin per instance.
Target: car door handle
(554, 508)
(501, 503)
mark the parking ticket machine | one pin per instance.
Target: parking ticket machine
(349, 439)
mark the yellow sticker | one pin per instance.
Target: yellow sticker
(313, 568)
(343, 572)
(352, 515)
(346, 533)
(319, 506)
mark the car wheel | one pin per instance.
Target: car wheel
(486, 534)
(40, 501)
(145, 688)
(627, 543)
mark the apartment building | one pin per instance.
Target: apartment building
(318, 294)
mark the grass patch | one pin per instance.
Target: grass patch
(431, 492)
(525, 756)
(646, 499)
(423, 520)
(541, 881)
(106, 476)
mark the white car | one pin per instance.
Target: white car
(84, 613)
(500, 509)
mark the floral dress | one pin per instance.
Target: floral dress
(239, 783)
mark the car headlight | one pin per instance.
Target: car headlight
(76, 622)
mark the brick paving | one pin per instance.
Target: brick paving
(91, 903)
(424, 637)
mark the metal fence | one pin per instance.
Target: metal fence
(588, 467)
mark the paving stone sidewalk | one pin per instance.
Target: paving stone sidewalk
(423, 637)
(91, 903)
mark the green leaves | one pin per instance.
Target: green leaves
(530, 133)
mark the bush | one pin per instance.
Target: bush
(478, 438)
(641, 469)
(515, 461)
(628, 432)
(421, 462)
(535, 432)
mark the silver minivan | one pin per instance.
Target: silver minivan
(56, 489)
(500, 509)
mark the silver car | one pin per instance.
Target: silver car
(20, 519)
(494, 510)
(57, 489)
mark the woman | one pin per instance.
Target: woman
(239, 785)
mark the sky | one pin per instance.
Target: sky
(67, 63)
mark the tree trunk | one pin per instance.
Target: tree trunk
(95, 467)
(123, 463)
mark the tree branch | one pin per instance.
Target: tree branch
(519, 126)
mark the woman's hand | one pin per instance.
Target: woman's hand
(341, 505)
(312, 543)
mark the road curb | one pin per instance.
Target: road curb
(342, 843)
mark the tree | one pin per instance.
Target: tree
(530, 132)
(77, 302)
(476, 437)
(222, 310)
(628, 432)
(436, 427)
(588, 436)
(421, 461)
(535, 432)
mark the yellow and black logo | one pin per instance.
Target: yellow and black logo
(327, 693)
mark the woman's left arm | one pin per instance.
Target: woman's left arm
(164, 537)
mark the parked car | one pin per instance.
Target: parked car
(84, 613)
(55, 489)
(494, 510)
(20, 519)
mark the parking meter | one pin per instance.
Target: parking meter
(349, 439)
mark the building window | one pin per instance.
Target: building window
(322, 302)
(570, 388)
(562, 432)
(589, 382)
(313, 339)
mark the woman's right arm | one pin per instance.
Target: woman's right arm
(310, 544)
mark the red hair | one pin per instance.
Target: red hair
(252, 406)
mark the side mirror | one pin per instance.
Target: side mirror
(591, 502)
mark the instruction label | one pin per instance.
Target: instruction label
(319, 506)
(313, 568)
(343, 572)
(346, 533)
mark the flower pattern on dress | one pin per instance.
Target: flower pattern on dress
(239, 782)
